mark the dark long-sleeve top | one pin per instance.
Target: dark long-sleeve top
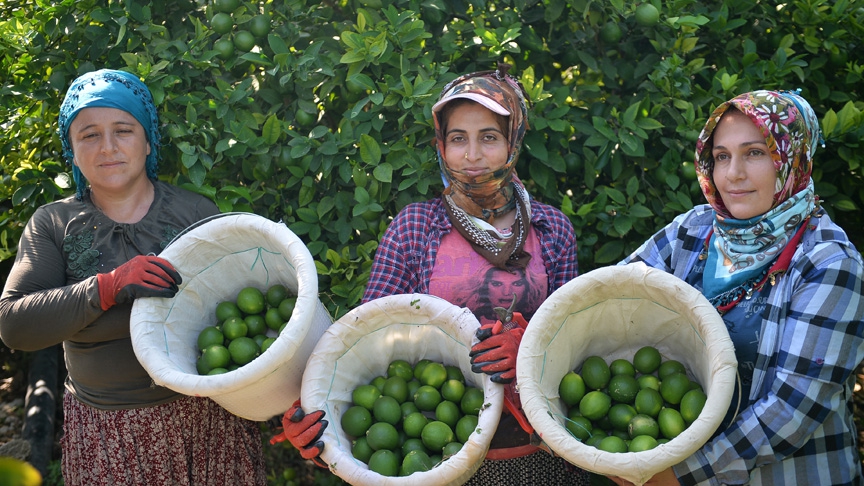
(52, 296)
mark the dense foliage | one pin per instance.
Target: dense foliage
(317, 113)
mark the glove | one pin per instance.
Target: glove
(142, 276)
(495, 354)
(304, 432)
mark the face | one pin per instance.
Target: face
(744, 172)
(474, 143)
(110, 147)
(503, 285)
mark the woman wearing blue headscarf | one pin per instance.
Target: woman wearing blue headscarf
(787, 282)
(81, 263)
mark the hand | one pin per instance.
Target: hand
(142, 276)
(496, 354)
(304, 432)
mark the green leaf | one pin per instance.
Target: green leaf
(370, 151)
(383, 173)
(272, 130)
(611, 251)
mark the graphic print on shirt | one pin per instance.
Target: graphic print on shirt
(464, 278)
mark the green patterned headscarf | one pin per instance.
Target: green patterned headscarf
(108, 88)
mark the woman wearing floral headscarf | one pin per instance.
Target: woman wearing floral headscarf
(484, 219)
(788, 284)
(81, 263)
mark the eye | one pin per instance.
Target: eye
(720, 157)
(755, 153)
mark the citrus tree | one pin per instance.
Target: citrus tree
(318, 113)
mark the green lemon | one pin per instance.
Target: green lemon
(408, 408)
(571, 389)
(595, 404)
(379, 381)
(222, 23)
(671, 423)
(267, 343)
(255, 324)
(465, 427)
(415, 461)
(276, 293)
(356, 421)
(396, 387)
(673, 387)
(272, 319)
(226, 309)
(611, 33)
(360, 449)
(387, 409)
(234, 327)
(448, 412)
(453, 390)
(244, 41)
(418, 368)
(691, 405)
(427, 398)
(642, 443)
(622, 367)
(401, 368)
(286, 308)
(260, 25)
(413, 444)
(451, 449)
(217, 371)
(243, 350)
(642, 424)
(382, 435)
(413, 424)
(647, 15)
(226, 5)
(648, 381)
(670, 366)
(384, 462)
(595, 372)
(647, 360)
(472, 401)
(434, 374)
(578, 426)
(365, 396)
(620, 415)
(623, 388)
(250, 300)
(215, 356)
(648, 401)
(454, 373)
(436, 435)
(208, 336)
(612, 444)
(595, 439)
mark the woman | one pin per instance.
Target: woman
(788, 284)
(484, 219)
(81, 263)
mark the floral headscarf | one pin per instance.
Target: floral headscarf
(500, 92)
(791, 130)
(742, 253)
(108, 88)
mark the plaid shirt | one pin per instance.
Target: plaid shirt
(405, 258)
(797, 427)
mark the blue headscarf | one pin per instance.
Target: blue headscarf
(108, 88)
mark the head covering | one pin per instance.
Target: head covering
(791, 131)
(742, 254)
(473, 203)
(108, 88)
(488, 195)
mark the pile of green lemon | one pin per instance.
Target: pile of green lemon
(630, 406)
(413, 418)
(244, 328)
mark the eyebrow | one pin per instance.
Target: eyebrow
(482, 130)
(745, 144)
(119, 122)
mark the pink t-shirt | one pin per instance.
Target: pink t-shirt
(463, 277)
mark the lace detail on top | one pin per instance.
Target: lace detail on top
(83, 260)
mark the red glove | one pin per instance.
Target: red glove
(142, 276)
(495, 354)
(304, 432)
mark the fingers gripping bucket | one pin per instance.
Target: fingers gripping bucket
(612, 312)
(360, 345)
(216, 259)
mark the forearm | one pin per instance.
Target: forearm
(37, 320)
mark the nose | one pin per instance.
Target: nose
(736, 170)
(109, 143)
(473, 151)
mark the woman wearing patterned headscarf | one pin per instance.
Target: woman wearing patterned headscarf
(81, 263)
(788, 284)
(484, 219)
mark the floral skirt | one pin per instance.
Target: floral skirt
(190, 441)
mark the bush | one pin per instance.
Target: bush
(325, 123)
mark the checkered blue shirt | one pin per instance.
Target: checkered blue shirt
(406, 255)
(797, 427)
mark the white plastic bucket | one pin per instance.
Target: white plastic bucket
(360, 345)
(612, 312)
(216, 259)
